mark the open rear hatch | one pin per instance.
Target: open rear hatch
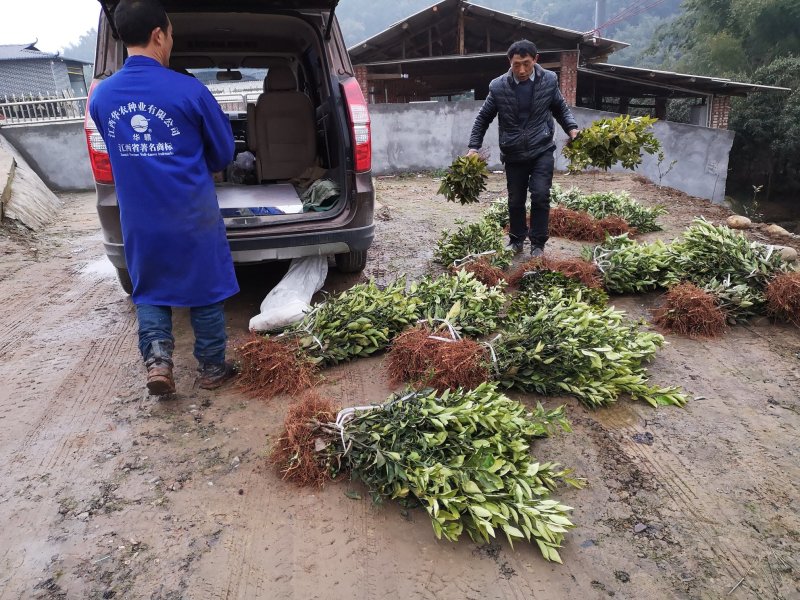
(234, 6)
(254, 203)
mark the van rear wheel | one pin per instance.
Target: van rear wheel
(351, 262)
(125, 280)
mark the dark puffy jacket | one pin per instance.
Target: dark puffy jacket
(523, 141)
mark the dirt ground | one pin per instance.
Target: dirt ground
(107, 493)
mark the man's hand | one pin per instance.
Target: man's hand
(573, 133)
(472, 151)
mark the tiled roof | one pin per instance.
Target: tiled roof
(23, 52)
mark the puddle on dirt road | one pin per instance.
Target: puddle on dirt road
(100, 269)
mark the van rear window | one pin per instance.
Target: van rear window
(232, 95)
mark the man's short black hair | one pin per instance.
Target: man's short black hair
(522, 48)
(135, 20)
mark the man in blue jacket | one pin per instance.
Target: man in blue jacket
(165, 135)
(525, 100)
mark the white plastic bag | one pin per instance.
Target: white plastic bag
(288, 301)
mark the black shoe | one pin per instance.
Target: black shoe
(515, 247)
(213, 376)
(537, 251)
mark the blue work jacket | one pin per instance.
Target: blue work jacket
(165, 135)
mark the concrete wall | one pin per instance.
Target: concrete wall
(56, 151)
(424, 136)
(415, 137)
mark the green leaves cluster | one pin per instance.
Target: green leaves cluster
(472, 307)
(497, 213)
(356, 323)
(465, 179)
(471, 239)
(706, 251)
(465, 457)
(714, 257)
(610, 141)
(536, 286)
(606, 204)
(629, 266)
(568, 346)
(739, 302)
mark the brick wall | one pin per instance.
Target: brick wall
(397, 91)
(720, 112)
(568, 78)
(361, 76)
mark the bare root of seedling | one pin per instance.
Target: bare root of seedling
(295, 455)
(783, 297)
(423, 361)
(484, 272)
(575, 268)
(270, 366)
(691, 311)
(614, 225)
(581, 226)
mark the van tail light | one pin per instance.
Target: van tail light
(98, 153)
(359, 124)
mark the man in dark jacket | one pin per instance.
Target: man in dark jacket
(165, 135)
(525, 100)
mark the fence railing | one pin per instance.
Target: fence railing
(33, 108)
(236, 102)
(39, 108)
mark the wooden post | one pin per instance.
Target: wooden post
(661, 107)
(461, 49)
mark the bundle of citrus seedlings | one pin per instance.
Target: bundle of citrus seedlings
(609, 141)
(453, 443)
(465, 179)
(714, 276)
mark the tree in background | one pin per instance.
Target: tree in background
(84, 49)
(750, 41)
(730, 37)
(766, 150)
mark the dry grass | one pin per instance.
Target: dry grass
(691, 311)
(783, 297)
(270, 366)
(422, 361)
(295, 453)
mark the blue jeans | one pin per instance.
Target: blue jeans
(534, 176)
(208, 323)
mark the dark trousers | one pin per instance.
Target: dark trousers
(208, 323)
(535, 176)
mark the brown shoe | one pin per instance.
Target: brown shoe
(160, 381)
(213, 376)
